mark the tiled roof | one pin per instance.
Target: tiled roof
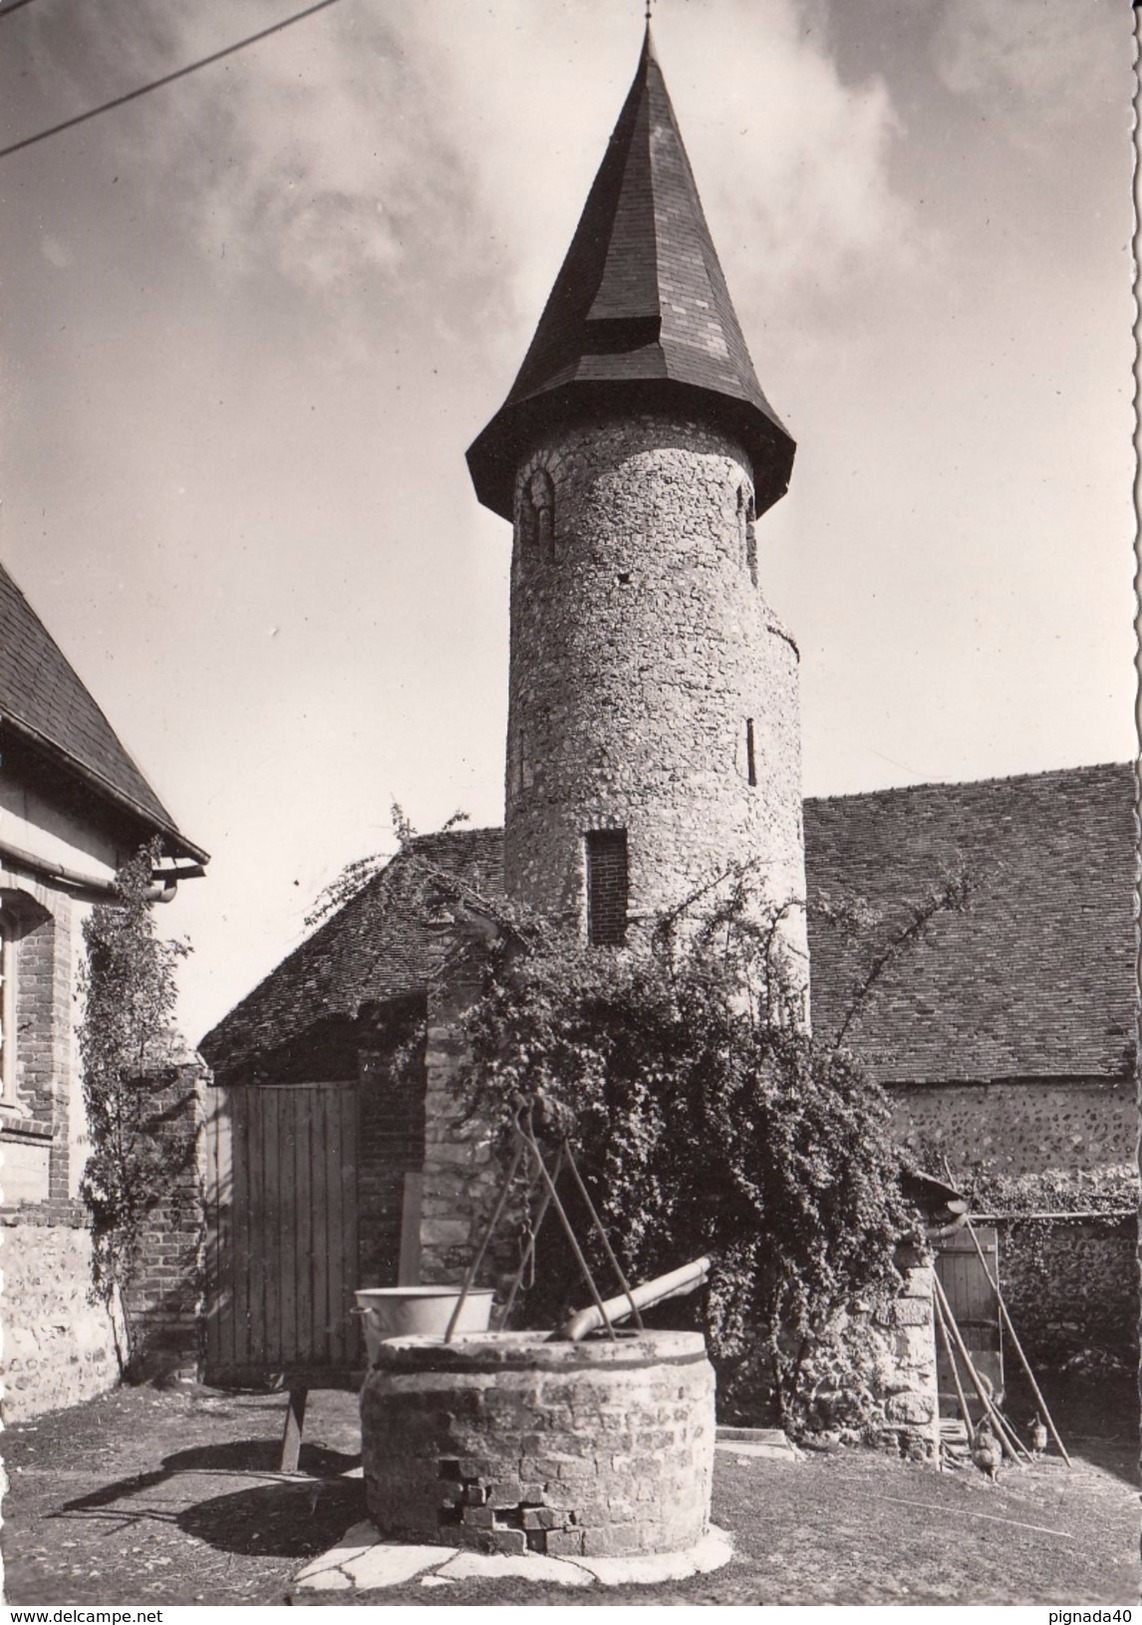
(640, 306)
(1036, 977)
(376, 949)
(43, 699)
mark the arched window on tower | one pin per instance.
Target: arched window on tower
(747, 517)
(537, 517)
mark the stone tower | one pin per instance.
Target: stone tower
(653, 731)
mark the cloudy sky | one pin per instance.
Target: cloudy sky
(254, 319)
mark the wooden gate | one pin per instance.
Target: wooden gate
(281, 1234)
(976, 1308)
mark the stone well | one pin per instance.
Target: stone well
(503, 1442)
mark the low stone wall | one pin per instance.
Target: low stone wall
(507, 1443)
(59, 1348)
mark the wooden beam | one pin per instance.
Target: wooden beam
(294, 1428)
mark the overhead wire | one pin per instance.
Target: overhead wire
(13, 5)
(156, 84)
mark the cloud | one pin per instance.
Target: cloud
(794, 167)
(319, 163)
(308, 155)
(366, 154)
(1051, 55)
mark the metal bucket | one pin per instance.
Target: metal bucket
(419, 1311)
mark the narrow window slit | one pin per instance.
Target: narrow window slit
(537, 516)
(607, 887)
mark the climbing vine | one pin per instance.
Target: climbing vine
(356, 875)
(127, 984)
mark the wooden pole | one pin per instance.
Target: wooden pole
(598, 1223)
(998, 1424)
(470, 1272)
(1011, 1332)
(942, 1326)
(529, 1139)
(529, 1250)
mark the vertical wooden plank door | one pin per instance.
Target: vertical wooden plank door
(976, 1308)
(281, 1233)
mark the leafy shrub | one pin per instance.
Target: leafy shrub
(705, 1120)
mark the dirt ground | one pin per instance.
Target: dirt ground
(173, 1497)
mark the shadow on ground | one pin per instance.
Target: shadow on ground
(277, 1520)
(1097, 1415)
(293, 1518)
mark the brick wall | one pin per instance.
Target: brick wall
(606, 886)
(47, 924)
(48, 1282)
(461, 1177)
(391, 1145)
(164, 1302)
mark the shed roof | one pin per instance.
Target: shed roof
(47, 704)
(640, 308)
(1035, 979)
(378, 948)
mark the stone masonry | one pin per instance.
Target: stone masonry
(461, 1176)
(650, 683)
(907, 1379)
(511, 1444)
(59, 1348)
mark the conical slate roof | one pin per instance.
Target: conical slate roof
(640, 314)
(44, 702)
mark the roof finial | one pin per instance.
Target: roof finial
(649, 3)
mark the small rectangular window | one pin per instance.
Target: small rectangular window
(750, 753)
(606, 887)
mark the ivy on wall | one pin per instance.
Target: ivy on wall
(127, 984)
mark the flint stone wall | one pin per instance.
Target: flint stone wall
(514, 1445)
(1045, 1145)
(1013, 1127)
(640, 646)
(59, 1348)
(1072, 1289)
